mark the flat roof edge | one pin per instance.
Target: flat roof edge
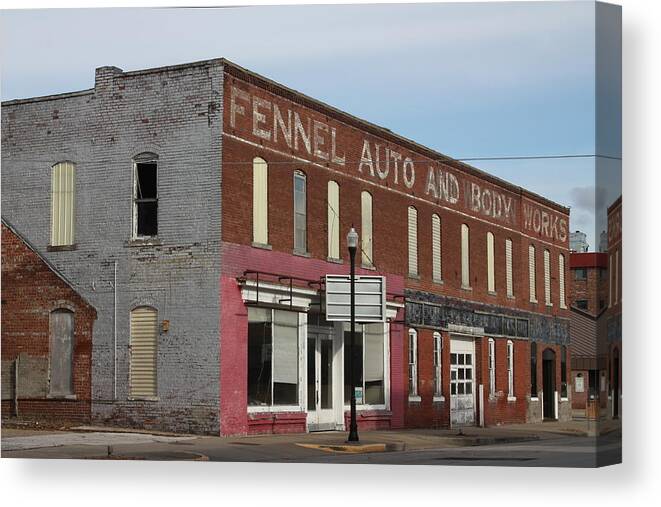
(43, 98)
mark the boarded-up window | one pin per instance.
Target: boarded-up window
(413, 240)
(374, 389)
(532, 274)
(300, 212)
(61, 353)
(547, 278)
(561, 273)
(145, 196)
(508, 267)
(63, 196)
(333, 220)
(465, 256)
(260, 201)
(491, 275)
(144, 334)
(437, 273)
(366, 233)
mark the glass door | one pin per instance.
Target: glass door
(320, 382)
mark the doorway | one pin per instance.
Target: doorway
(462, 392)
(320, 357)
(548, 376)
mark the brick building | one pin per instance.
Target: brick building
(610, 341)
(230, 200)
(589, 299)
(47, 330)
(589, 288)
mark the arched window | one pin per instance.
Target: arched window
(532, 274)
(366, 232)
(63, 197)
(61, 353)
(413, 240)
(144, 341)
(260, 204)
(465, 256)
(437, 273)
(491, 275)
(333, 220)
(300, 212)
(413, 363)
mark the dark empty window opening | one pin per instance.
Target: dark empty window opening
(582, 304)
(580, 274)
(146, 199)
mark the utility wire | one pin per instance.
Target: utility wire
(449, 159)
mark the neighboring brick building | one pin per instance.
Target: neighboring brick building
(589, 299)
(589, 287)
(610, 342)
(243, 193)
(47, 330)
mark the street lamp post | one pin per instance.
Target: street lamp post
(352, 244)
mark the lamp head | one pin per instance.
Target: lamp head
(352, 238)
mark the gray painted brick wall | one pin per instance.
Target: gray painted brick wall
(176, 113)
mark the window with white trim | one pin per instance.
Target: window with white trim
(300, 212)
(508, 268)
(532, 274)
(438, 365)
(413, 363)
(492, 367)
(63, 196)
(366, 232)
(465, 257)
(561, 272)
(333, 220)
(437, 274)
(413, 240)
(370, 363)
(491, 275)
(547, 278)
(273, 357)
(145, 196)
(510, 369)
(260, 202)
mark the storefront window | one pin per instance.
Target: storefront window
(368, 363)
(272, 357)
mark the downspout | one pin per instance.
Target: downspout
(16, 361)
(114, 321)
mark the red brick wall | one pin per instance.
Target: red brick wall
(30, 291)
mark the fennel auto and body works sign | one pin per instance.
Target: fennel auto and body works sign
(272, 122)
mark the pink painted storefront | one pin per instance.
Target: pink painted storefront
(282, 366)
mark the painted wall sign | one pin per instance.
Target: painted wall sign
(263, 117)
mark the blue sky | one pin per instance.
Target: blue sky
(469, 80)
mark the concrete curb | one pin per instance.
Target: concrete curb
(356, 448)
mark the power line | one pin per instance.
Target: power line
(449, 159)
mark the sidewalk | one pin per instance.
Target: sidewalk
(117, 443)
